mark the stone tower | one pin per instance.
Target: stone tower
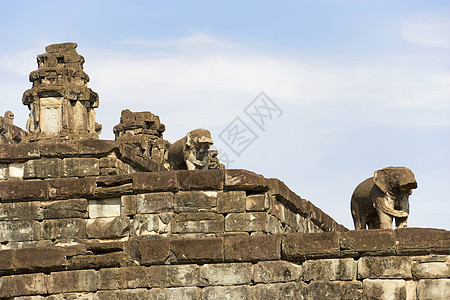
(60, 102)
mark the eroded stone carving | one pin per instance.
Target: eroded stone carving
(378, 199)
(191, 152)
(60, 103)
(9, 133)
(142, 132)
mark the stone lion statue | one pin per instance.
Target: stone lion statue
(191, 152)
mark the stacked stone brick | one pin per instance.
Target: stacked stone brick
(171, 204)
(383, 264)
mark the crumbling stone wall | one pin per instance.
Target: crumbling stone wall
(408, 263)
(176, 204)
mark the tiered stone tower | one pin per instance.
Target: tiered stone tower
(61, 105)
(82, 218)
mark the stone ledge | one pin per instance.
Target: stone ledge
(293, 247)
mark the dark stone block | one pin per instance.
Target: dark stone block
(197, 250)
(377, 241)
(200, 222)
(43, 168)
(23, 190)
(200, 179)
(422, 241)
(68, 188)
(301, 246)
(22, 285)
(12, 153)
(345, 290)
(64, 229)
(19, 211)
(64, 209)
(102, 228)
(148, 252)
(244, 180)
(255, 248)
(154, 181)
(40, 259)
(186, 201)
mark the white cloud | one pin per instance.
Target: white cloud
(427, 34)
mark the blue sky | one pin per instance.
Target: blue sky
(362, 84)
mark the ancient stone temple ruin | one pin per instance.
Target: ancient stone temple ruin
(140, 217)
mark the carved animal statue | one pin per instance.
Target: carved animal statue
(377, 200)
(191, 152)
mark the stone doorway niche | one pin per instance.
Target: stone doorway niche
(50, 115)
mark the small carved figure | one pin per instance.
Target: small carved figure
(191, 152)
(377, 200)
(10, 133)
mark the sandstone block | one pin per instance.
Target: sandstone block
(436, 289)
(147, 224)
(80, 167)
(128, 205)
(108, 279)
(144, 182)
(384, 267)
(192, 201)
(148, 252)
(431, 267)
(276, 271)
(64, 229)
(70, 188)
(21, 190)
(202, 180)
(17, 231)
(335, 290)
(108, 207)
(421, 240)
(242, 292)
(129, 294)
(274, 225)
(43, 168)
(174, 276)
(226, 274)
(108, 227)
(197, 250)
(243, 180)
(330, 269)
(19, 211)
(22, 285)
(133, 277)
(384, 289)
(64, 209)
(174, 293)
(257, 202)
(298, 246)
(233, 201)
(154, 203)
(201, 222)
(380, 241)
(72, 281)
(290, 290)
(251, 221)
(40, 258)
(90, 261)
(254, 248)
